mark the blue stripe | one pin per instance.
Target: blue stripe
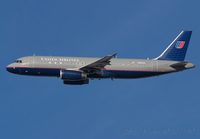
(56, 72)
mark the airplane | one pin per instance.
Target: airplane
(78, 70)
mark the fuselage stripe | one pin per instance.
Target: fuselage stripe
(101, 69)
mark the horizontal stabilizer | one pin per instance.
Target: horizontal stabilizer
(180, 64)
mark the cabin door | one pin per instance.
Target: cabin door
(154, 65)
(31, 62)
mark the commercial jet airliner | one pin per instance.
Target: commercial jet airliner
(78, 70)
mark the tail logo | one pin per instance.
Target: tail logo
(180, 44)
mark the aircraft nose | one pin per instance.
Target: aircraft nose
(8, 68)
(11, 68)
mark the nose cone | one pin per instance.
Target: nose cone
(13, 68)
(9, 68)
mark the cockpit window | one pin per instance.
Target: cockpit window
(18, 61)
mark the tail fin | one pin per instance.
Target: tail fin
(177, 49)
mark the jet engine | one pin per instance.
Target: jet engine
(73, 77)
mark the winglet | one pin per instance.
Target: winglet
(114, 55)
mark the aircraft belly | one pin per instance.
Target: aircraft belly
(131, 72)
(134, 74)
(40, 71)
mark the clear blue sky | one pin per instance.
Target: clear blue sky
(164, 107)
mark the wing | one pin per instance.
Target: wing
(98, 65)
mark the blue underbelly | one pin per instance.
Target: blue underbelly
(56, 72)
(135, 74)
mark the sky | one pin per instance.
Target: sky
(164, 107)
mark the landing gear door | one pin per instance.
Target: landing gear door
(31, 62)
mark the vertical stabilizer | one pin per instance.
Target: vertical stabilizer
(176, 51)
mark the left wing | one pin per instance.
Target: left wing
(97, 65)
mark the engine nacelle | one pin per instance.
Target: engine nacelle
(72, 75)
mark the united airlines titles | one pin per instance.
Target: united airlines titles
(59, 59)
